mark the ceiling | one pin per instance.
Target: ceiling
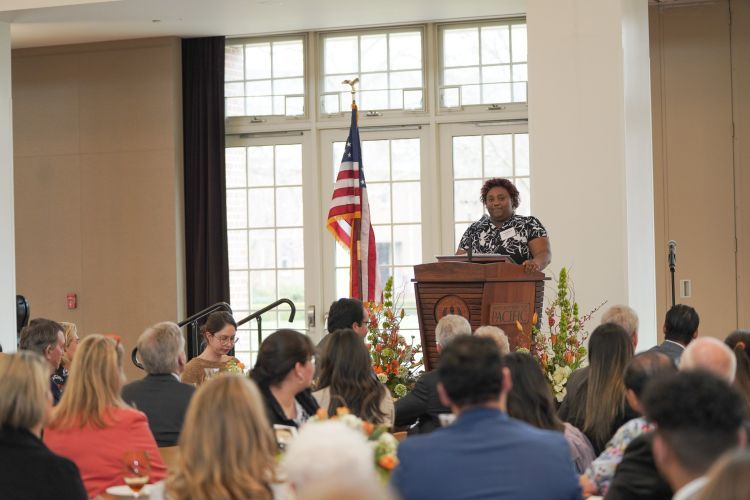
(36, 23)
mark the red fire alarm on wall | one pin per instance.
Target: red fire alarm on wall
(72, 300)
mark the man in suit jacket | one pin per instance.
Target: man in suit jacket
(485, 453)
(422, 404)
(680, 328)
(161, 395)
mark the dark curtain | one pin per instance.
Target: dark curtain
(206, 253)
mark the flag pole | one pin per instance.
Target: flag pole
(355, 262)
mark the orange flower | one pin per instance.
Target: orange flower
(519, 326)
(378, 370)
(554, 339)
(342, 410)
(568, 357)
(322, 414)
(241, 364)
(544, 359)
(534, 319)
(367, 427)
(388, 462)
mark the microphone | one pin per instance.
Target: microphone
(672, 254)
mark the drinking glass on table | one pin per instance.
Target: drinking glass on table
(137, 470)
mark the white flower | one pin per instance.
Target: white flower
(559, 396)
(383, 378)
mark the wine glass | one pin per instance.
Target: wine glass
(137, 470)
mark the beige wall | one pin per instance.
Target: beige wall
(701, 181)
(98, 189)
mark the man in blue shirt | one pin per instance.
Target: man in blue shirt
(484, 454)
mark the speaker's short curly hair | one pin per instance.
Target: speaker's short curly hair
(515, 196)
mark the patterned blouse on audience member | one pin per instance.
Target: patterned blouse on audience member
(602, 469)
(511, 238)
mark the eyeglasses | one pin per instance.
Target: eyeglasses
(226, 340)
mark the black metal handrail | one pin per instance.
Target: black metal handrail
(257, 315)
(193, 332)
(192, 324)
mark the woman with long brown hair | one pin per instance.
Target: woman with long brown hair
(219, 336)
(93, 426)
(346, 379)
(599, 406)
(227, 449)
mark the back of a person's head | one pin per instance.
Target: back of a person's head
(729, 478)
(278, 354)
(739, 342)
(24, 390)
(530, 399)
(343, 313)
(471, 371)
(40, 334)
(712, 355)
(449, 327)
(644, 367)
(159, 348)
(680, 324)
(346, 370)
(93, 386)
(622, 315)
(497, 335)
(227, 447)
(610, 351)
(328, 453)
(698, 415)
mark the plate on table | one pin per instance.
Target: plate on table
(122, 490)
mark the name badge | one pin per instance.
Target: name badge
(508, 233)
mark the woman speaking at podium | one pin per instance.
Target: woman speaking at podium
(501, 231)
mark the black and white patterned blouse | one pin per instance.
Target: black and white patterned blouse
(510, 239)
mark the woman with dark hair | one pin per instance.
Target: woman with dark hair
(739, 342)
(531, 400)
(346, 379)
(283, 371)
(501, 231)
(598, 406)
(219, 336)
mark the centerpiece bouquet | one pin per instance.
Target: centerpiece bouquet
(560, 349)
(234, 366)
(383, 443)
(393, 358)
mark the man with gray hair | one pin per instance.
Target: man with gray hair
(46, 337)
(161, 395)
(626, 317)
(422, 405)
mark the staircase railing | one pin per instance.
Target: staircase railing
(257, 316)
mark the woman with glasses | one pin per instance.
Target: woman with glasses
(219, 336)
(92, 425)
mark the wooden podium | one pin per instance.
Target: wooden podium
(489, 290)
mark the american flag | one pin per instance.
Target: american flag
(349, 218)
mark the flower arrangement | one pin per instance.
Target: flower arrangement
(561, 349)
(384, 444)
(393, 358)
(234, 366)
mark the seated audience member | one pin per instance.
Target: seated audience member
(70, 333)
(531, 400)
(28, 469)
(699, 418)
(622, 315)
(46, 337)
(497, 335)
(343, 313)
(283, 371)
(680, 328)
(93, 426)
(739, 342)
(598, 406)
(636, 476)
(227, 449)
(329, 454)
(422, 405)
(641, 369)
(484, 453)
(346, 380)
(161, 395)
(219, 337)
(729, 478)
